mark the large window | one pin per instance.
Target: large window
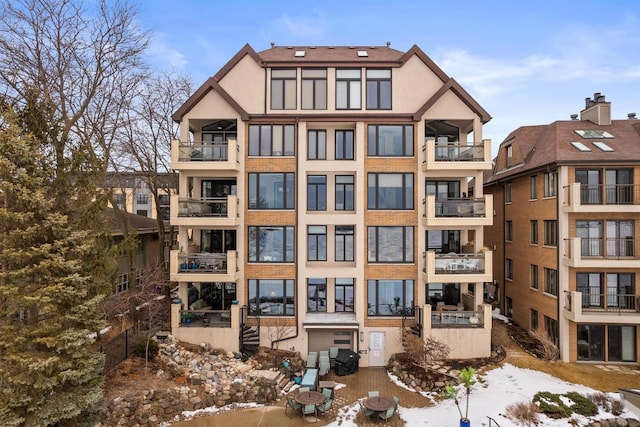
(316, 295)
(344, 294)
(390, 244)
(317, 243)
(551, 233)
(314, 89)
(271, 191)
(619, 291)
(378, 89)
(390, 191)
(271, 244)
(345, 242)
(610, 343)
(283, 89)
(389, 297)
(390, 140)
(618, 242)
(534, 276)
(348, 89)
(551, 281)
(271, 140)
(344, 145)
(533, 231)
(344, 193)
(317, 144)
(273, 297)
(550, 184)
(317, 193)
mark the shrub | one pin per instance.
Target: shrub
(551, 405)
(607, 403)
(581, 404)
(141, 349)
(549, 348)
(617, 407)
(523, 413)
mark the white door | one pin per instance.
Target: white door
(376, 349)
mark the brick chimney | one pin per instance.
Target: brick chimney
(597, 110)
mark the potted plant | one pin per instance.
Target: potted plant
(186, 317)
(467, 379)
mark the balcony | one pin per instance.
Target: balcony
(205, 212)
(578, 197)
(464, 212)
(443, 155)
(463, 268)
(224, 155)
(601, 253)
(601, 308)
(203, 267)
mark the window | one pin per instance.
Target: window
(344, 193)
(118, 200)
(142, 212)
(590, 233)
(390, 244)
(283, 89)
(344, 145)
(390, 191)
(348, 89)
(551, 328)
(122, 283)
(534, 320)
(378, 89)
(551, 233)
(271, 191)
(344, 294)
(389, 297)
(509, 231)
(142, 199)
(551, 281)
(272, 297)
(317, 145)
(534, 276)
(271, 140)
(314, 89)
(550, 184)
(508, 268)
(390, 140)
(271, 244)
(533, 231)
(509, 155)
(507, 192)
(317, 193)
(316, 295)
(345, 242)
(533, 187)
(610, 343)
(317, 243)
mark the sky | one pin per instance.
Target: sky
(526, 63)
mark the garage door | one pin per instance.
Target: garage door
(320, 339)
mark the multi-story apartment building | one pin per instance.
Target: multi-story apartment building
(567, 198)
(132, 193)
(324, 200)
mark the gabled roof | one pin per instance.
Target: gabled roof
(142, 224)
(455, 87)
(549, 145)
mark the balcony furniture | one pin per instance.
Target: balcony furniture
(323, 365)
(328, 388)
(325, 407)
(312, 359)
(310, 379)
(295, 406)
(333, 352)
(310, 401)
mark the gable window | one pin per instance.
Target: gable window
(317, 193)
(314, 89)
(345, 242)
(389, 297)
(509, 231)
(378, 89)
(271, 244)
(509, 155)
(533, 187)
(390, 191)
(272, 297)
(390, 140)
(283, 89)
(551, 233)
(348, 89)
(550, 184)
(533, 231)
(317, 243)
(390, 244)
(317, 144)
(344, 294)
(534, 276)
(316, 295)
(344, 192)
(271, 191)
(344, 145)
(551, 281)
(271, 140)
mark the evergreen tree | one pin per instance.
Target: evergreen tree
(52, 276)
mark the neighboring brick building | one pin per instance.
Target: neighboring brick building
(324, 201)
(567, 204)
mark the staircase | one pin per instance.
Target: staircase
(249, 336)
(412, 323)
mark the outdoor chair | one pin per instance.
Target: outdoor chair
(328, 393)
(309, 410)
(326, 406)
(324, 353)
(363, 409)
(396, 400)
(312, 360)
(387, 414)
(374, 393)
(333, 353)
(303, 389)
(324, 366)
(293, 405)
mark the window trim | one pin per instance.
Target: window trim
(403, 305)
(345, 242)
(550, 232)
(320, 282)
(286, 283)
(534, 277)
(284, 89)
(373, 140)
(286, 178)
(345, 186)
(533, 232)
(286, 230)
(320, 193)
(378, 82)
(550, 184)
(373, 199)
(349, 81)
(341, 282)
(286, 130)
(373, 257)
(318, 142)
(550, 288)
(314, 89)
(343, 152)
(317, 237)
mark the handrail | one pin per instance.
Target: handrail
(491, 421)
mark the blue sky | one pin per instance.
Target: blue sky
(526, 63)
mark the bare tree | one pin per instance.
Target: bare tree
(277, 330)
(425, 352)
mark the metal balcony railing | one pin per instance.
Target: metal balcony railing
(619, 194)
(204, 151)
(205, 207)
(462, 207)
(457, 151)
(202, 263)
(607, 248)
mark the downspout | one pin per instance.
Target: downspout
(504, 249)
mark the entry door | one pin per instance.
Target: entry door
(377, 356)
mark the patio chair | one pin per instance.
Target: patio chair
(363, 409)
(324, 366)
(396, 401)
(323, 408)
(387, 414)
(309, 409)
(312, 360)
(374, 393)
(293, 405)
(324, 353)
(328, 393)
(303, 389)
(333, 352)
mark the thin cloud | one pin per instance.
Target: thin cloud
(164, 54)
(303, 27)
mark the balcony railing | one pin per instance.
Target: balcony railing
(594, 301)
(459, 263)
(202, 263)
(577, 194)
(204, 151)
(457, 319)
(456, 151)
(203, 318)
(607, 248)
(463, 207)
(205, 207)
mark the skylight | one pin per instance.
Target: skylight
(363, 53)
(602, 146)
(594, 134)
(299, 53)
(580, 146)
